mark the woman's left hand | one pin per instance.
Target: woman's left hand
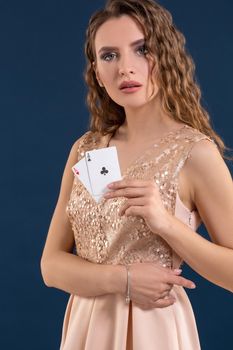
(143, 200)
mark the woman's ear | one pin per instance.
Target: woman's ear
(93, 65)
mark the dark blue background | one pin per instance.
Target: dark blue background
(43, 112)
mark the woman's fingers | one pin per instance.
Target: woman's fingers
(160, 303)
(130, 183)
(181, 281)
(151, 285)
(165, 302)
(166, 293)
(129, 192)
(132, 202)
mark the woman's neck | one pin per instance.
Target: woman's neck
(146, 122)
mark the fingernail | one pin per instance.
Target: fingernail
(177, 270)
(193, 286)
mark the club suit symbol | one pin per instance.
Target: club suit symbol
(104, 171)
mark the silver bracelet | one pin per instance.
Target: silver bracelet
(127, 298)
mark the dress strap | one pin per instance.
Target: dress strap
(88, 141)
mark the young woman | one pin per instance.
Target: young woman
(124, 280)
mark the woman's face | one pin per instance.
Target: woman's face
(119, 58)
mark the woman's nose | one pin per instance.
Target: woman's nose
(126, 71)
(125, 66)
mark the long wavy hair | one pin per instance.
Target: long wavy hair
(165, 44)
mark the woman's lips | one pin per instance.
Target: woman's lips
(130, 89)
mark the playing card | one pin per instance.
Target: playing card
(80, 171)
(103, 168)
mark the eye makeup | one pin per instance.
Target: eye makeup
(107, 54)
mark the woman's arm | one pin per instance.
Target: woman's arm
(78, 276)
(59, 267)
(212, 193)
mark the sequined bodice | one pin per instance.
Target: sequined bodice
(101, 235)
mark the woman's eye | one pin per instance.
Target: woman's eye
(142, 49)
(110, 55)
(106, 56)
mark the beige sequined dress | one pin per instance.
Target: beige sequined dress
(101, 236)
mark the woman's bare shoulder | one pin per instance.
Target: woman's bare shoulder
(212, 188)
(86, 141)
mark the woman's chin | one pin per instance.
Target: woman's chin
(134, 103)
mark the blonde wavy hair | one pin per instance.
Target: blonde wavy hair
(165, 44)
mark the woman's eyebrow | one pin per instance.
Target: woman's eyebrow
(104, 48)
